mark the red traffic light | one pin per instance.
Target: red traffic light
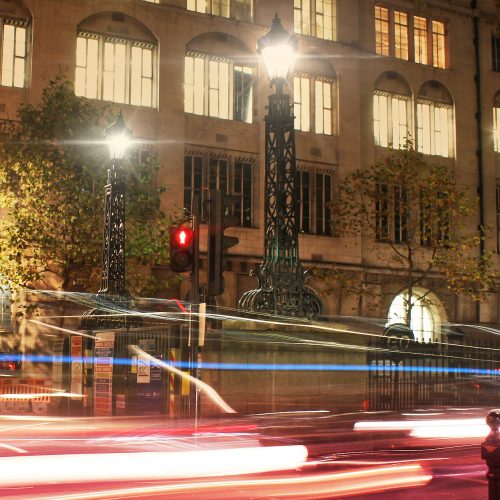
(183, 237)
(181, 249)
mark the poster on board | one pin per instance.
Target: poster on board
(103, 374)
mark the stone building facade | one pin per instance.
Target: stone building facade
(187, 77)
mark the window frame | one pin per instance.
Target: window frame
(206, 171)
(103, 41)
(391, 213)
(307, 106)
(202, 64)
(227, 9)
(313, 210)
(434, 46)
(431, 133)
(309, 18)
(390, 127)
(15, 23)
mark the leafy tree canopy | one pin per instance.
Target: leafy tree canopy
(52, 176)
(416, 217)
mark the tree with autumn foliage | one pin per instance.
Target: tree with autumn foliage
(52, 174)
(416, 217)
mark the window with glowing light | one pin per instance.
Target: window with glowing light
(391, 111)
(313, 104)
(242, 8)
(424, 319)
(394, 29)
(115, 69)
(232, 174)
(496, 126)
(315, 189)
(435, 122)
(218, 87)
(14, 51)
(315, 18)
(381, 30)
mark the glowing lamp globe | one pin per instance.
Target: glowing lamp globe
(118, 137)
(278, 49)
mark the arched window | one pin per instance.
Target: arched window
(496, 123)
(391, 110)
(15, 35)
(314, 96)
(435, 126)
(426, 317)
(218, 78)
(114, 67)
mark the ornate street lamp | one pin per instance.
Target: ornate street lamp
(281, 278)
(112, 296)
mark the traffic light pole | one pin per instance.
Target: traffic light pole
(195, 350)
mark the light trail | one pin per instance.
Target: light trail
(77, 468)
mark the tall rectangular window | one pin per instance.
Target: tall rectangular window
(433, 128)
(496, 129)
(401, 35)
(315, 197)
(420, 39)
(400, 209)
(438, 45)
(304, 218)
(391, 213)
(495, 53)
(87, 67)
(242, 189)
(193, 181)
(233, 176)
(424, 127)
(315, 18)
(382, 212)
(301, 101)
(217, 87)
(115, 70)
(14, 54)
(323, 107)
(243, 77)
(323, 201)
(194, 87)
(390, 119)
(381, 30)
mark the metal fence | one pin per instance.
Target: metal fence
(410, 375)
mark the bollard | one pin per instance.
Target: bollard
(490, 451)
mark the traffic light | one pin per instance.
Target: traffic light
(219, 219)
(181, 249)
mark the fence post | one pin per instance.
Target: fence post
(490, 451)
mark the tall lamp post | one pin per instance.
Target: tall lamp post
(112, 296)
(281, 277)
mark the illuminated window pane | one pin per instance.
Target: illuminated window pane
(324, 19)
(198, 5)
(323, 107)
(381, 30)
(438, 45)
(401, 35)
(496, 129)
(302, 17)
(441, 130)
(302, 104)
(219, 7)
(380, 120)
(420, 39)
(243, 77)
(424, 128)
(399, 122)
(14, 55)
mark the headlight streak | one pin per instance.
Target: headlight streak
(341, 483)
(434, 428)
(77, 468)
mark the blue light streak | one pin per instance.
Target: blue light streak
(40, 358)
